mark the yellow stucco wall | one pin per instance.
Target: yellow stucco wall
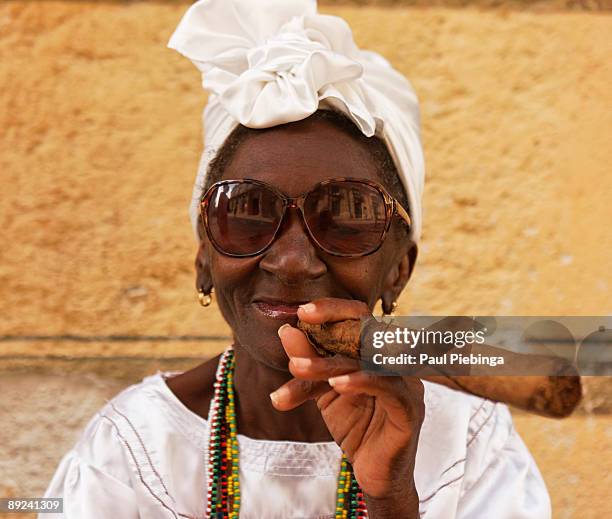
(100, 138)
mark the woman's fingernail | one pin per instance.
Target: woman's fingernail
(279, 394)
(300, 362)
(342, 379)
(282, 329)
(308, 307)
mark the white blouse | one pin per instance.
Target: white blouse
(143, 456)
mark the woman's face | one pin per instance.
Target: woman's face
(249, 291)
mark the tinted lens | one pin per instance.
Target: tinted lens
(243, 217)
(346, 217)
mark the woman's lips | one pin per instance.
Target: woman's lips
(277, 310)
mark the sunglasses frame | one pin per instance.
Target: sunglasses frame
(392, 207)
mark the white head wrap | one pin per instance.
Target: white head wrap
(270, 62)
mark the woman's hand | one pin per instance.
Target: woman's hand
(375, 419)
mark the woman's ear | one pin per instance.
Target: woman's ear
(398, 277)
(202, 266)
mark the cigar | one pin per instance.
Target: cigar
(555, 396)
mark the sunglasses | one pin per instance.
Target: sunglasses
(344, 216)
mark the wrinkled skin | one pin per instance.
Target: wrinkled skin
(284, 390)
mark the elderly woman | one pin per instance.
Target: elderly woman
(306, 206)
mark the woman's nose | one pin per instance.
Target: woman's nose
(293, 256)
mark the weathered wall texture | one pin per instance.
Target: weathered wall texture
(99, 144)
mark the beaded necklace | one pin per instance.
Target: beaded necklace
(223, 473)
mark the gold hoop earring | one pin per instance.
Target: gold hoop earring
(205, 299)
(393, 307)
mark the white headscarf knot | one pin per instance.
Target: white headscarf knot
(270, 62)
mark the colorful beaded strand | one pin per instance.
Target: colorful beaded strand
(358, 504)
(223, 439)
(227, 452)
(216, 440)
(224, 464)
(224, 480)
(213, 461)
(346, 490)
(234, 477)
(341, 482)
